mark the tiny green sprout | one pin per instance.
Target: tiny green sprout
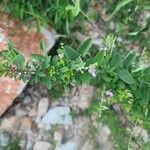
(74, 9)
(101, 108)
(110, 41)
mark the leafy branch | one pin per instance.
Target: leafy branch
(104, 68)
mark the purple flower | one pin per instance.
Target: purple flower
(92, 71)
(13, 68)
(109, 93)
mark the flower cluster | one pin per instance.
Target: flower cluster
(92, 71)
(109, 93)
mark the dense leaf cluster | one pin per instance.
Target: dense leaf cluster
(106, 68)
(58, 13)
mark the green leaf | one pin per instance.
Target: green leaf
(85, 78)
(41, 74)
(47, 81)
(145, 93)
(71, 53)
(85, 47)
(133, 33)
(116, 61)
(140, 68)
(74, 9)
(43, 46)
(99, 58)
(125, 76)
(146, 71)
(90, 61)
(38, 25)
(119, 6)
(19, 60)
(39, 58)
(129, 59)
(78, 64)
(146, 7)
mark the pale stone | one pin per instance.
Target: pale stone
(4, 139)
(85, 96)
(31, 138)
(14, 123)
(27, 100)
(68, 146)
(140, 132)
(32, 112)
(42, 145)
(103, 138)
(58, 137)
(43, 106)
(29, 145)
(104, 134)
(88, 145)
(22, 143)
(21, 112)
(57, 115)
(8, 123)
(26, 123)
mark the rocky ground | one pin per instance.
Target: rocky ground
(38, 122)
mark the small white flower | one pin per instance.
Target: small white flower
(92, 71)
(61, 55)
(109, 93)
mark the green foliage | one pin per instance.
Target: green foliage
(74, 9)
(84, 47)
(129, 59)
(70, 53)
(116, 60)
(119, 6)
(58, 13)
(50, 11)
(99, 58)
(12, 60)
(13, 145)
(125, 76)
(119, 133)
(129, 26)
(74, 67)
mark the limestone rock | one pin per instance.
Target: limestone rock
(58, 137)
(68, 146)
(89, 144)
(103, 138)
(57, 115)
(140, 132)
(26, 123)
(39, 145)
(27, 42)
(4, 139)
(14, 123)
(86, 94)
(43, 106)
(32, 112)
(8, 123)
(20, 112)
(27, 100)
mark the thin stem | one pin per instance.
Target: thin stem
(93, 24)
(128, 55)
(132, 132)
